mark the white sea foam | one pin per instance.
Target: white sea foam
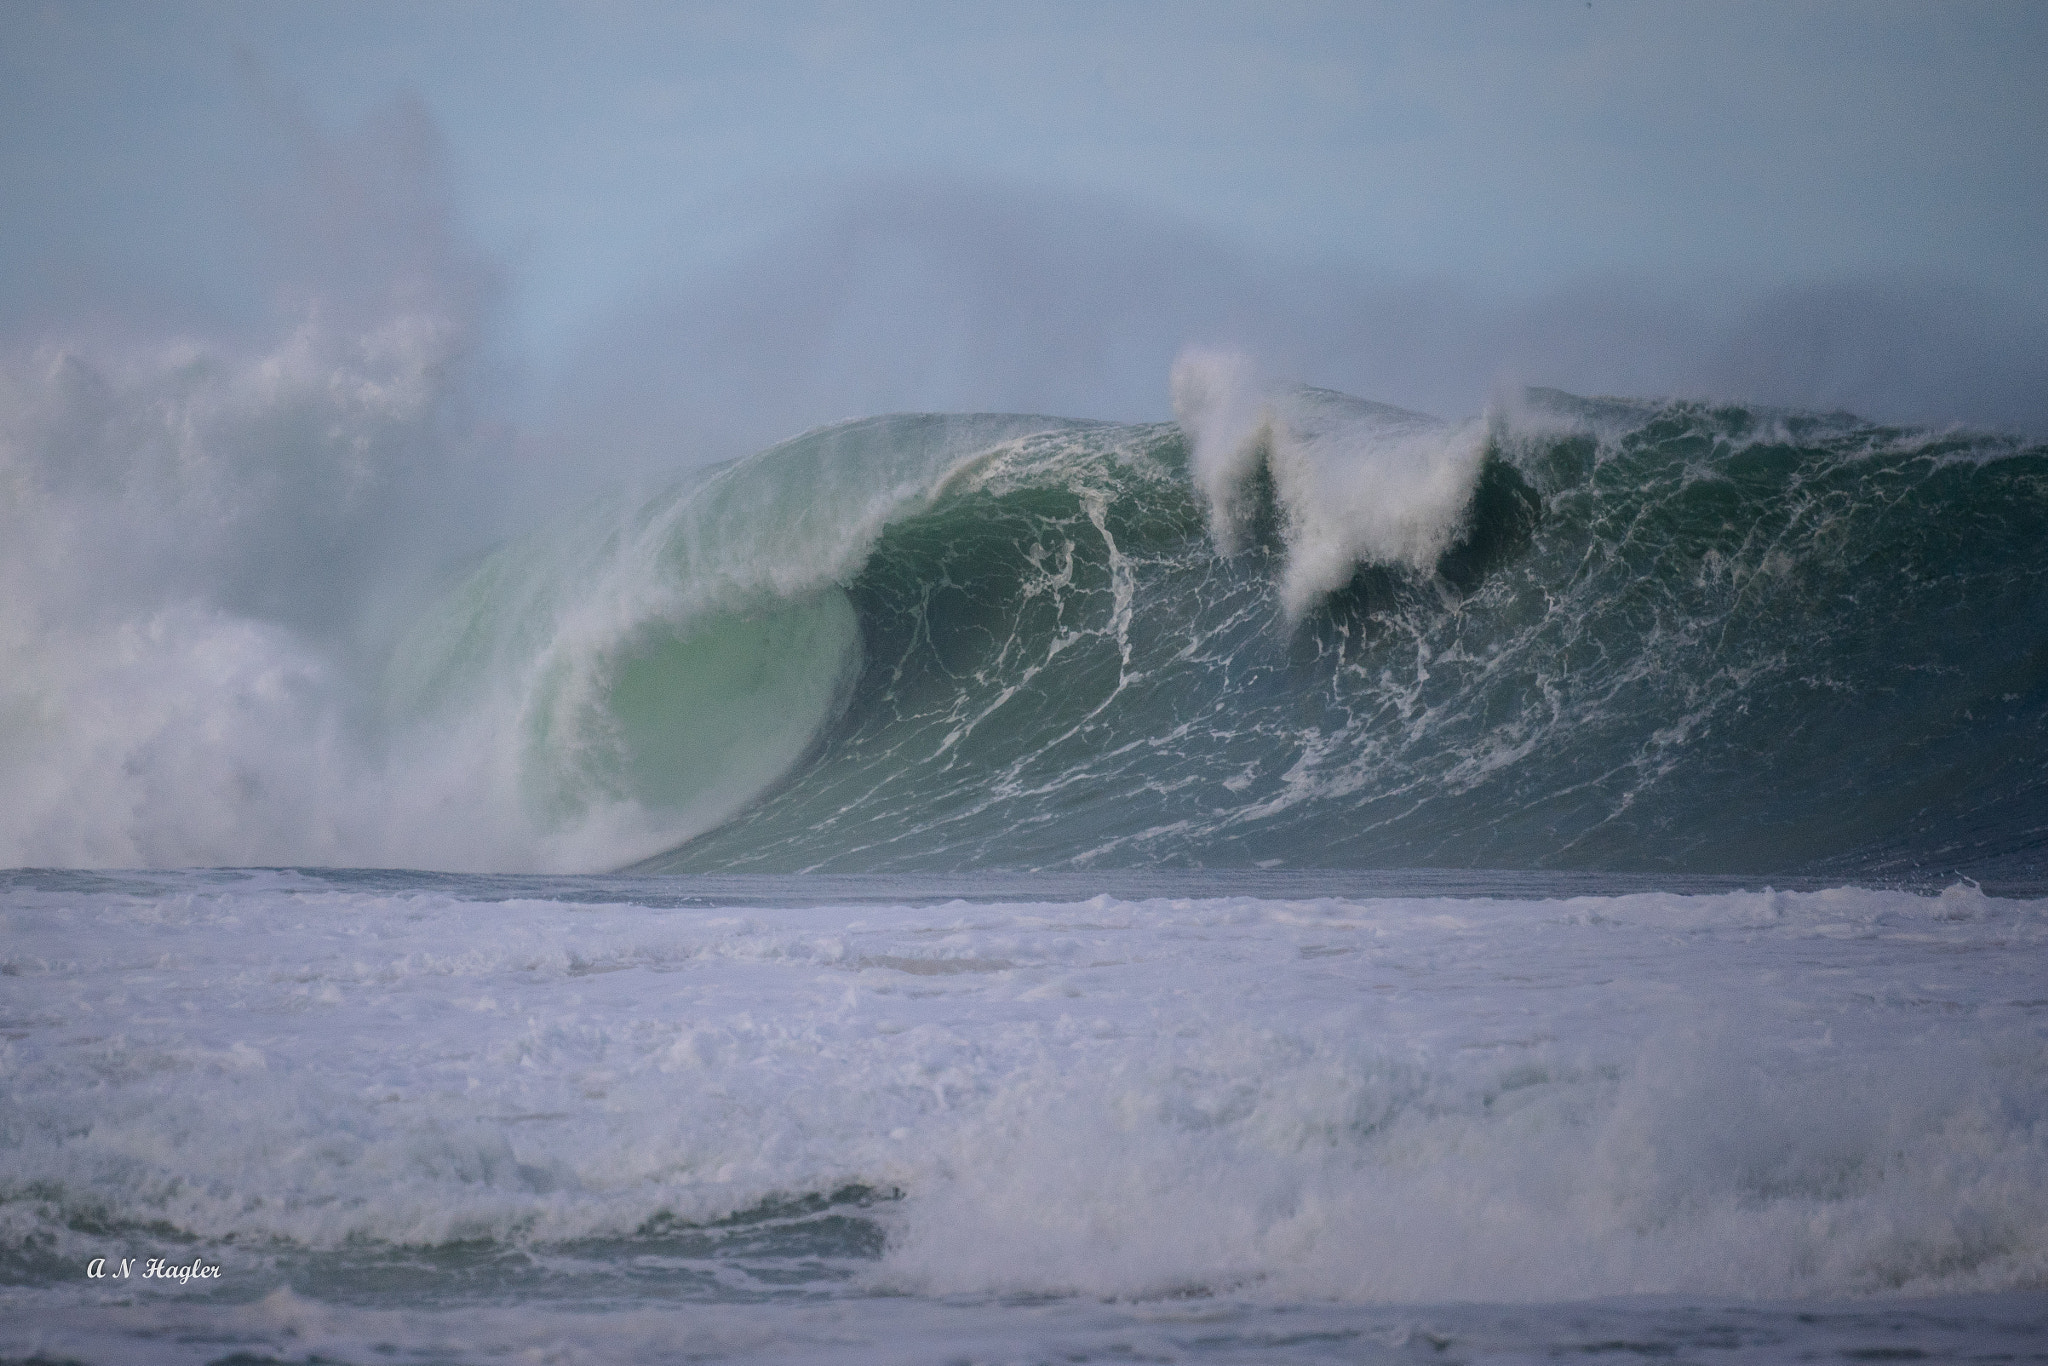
(1371, 1101)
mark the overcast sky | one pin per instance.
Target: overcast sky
(628, 160)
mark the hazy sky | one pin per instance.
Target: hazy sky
(1512, 158)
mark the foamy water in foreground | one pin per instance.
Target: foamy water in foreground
(418, 1117)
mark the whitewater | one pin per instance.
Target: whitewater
(453, 1120)
(1304, 881)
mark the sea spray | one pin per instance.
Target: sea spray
(193, 545)
(1354, 483)
(1220, 402)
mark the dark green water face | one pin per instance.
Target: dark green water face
(1671, 638)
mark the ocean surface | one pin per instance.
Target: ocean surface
(1262, 1117)
(1304, 882)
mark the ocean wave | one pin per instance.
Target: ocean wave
(1292, 628)
(1579, 634)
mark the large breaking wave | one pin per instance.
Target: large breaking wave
(1291, 628)
(1301, 629)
